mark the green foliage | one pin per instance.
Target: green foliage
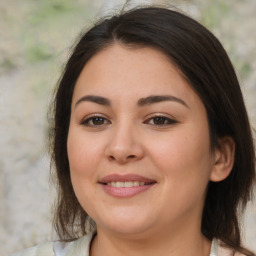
(6, 64)
(49, 10)
(37, 53)
(243, 67)
(246, 68)
(47, 24)
(214, 12)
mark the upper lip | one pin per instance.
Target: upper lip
(125, 177)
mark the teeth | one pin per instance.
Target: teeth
(126, 184)
(136, 183)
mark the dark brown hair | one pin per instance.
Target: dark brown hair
(204, 63)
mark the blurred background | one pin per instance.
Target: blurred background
(35, 39)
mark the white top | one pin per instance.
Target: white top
(82, 247)
(79, 247)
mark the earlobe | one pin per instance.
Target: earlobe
(224, 159)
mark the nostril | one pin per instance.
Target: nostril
(121, 159)
(131, 156)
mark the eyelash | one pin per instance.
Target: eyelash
(86, 122)
(164, 121)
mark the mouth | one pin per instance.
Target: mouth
(125, 185)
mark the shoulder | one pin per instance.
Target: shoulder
(225, 251)
(45, 249)
(79, 247)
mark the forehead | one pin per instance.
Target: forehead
(131, 72)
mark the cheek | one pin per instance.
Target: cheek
(184, 156)
(83, 161)
(185, 165)
(83, 154)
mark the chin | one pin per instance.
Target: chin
(125, 225)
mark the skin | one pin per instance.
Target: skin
(174, 151)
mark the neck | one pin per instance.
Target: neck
(185, 243)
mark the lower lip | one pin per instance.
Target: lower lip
(125, 192)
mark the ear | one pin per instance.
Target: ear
(224, 156)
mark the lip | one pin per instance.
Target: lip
(125, 191)
(125, 177)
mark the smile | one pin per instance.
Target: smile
(125, 185)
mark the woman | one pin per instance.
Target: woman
(151, 142)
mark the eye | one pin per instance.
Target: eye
(160, 121)
(95, 121)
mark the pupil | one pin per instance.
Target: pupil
(159, 120)
(98, 120)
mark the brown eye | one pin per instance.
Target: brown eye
(95, 121)
(161, 121)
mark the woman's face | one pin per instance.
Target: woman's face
(138, 143)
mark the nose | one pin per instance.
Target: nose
(124, 145)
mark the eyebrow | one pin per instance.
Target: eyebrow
(141, 102)
(96, 99)
(160, 98)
